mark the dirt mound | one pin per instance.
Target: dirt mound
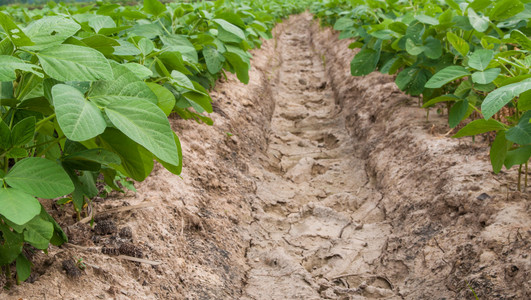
(311, 185)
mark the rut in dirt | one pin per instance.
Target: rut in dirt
(318, 229)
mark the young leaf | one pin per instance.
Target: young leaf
(38, 233)
(518, 156)
(458, 43)
(17, 206)
(521, 133)
(480, 126)
(166, 100)
(446, 75)
(479, 23)
(154, 7)
(480, 59)
(499, 97)
(498, 151)
(39, 177)
(23, 267)
(505, 9)
(79, 118)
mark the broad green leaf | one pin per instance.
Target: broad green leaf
(443, 98)
(58, 237)
(524, 101)
(139, 70)
(214, 59)
(23, 267)
(9, 64)
(166, 100)
(480, 126)
(136, 161)
(398, 27)
(39, 177)
(404, 77)
(446, 75)
(518, 156)
(146, 46)
(364, 62)
(12, 245)
(505, 9)
(241, 66)
(5, 136)
(50, 31)
(427, 19)
(343, 23)
(486, 76)
(23, 132)
(433, 48)
(175, 169)
(457, 113)
(17, 206)
(146, 124)
(38, 232)
(458, 43)
(478, 5)
(181, 80)
(154, 7)
(126, 49)
(180, 44)
(103, 44)
(521, 133)
(480, 59)
(499, 97)
(231, 28)
(125, 86)
(98, 22)
(79, 118)
(412, 48)
(17, 36)
(498, 151)
(74, 63)
(479, 23)
(91, 159)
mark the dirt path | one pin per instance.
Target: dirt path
(317, 217)
(312, 184)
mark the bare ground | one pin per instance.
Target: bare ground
(312, 185)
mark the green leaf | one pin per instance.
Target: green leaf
(99, 156)
(146, 124)
(518, 156)
(146, 46)
(412, 48)
(343, 23)
(9, 64)
(427, 20)
(522, 39)
(154, 7)
(166, 100)
(499, 97)
(58, 237)
(139, 70)
(79, 118)
(17, 206)
(136, 161)
(101, 43)
(457, 113)
(486, 76)
(17, 36)
(74, 63)
(231, 28)
(39, 177)
(433, 48)
(23, 132)
(505, 9)
(479, 126)
(240, 65)
(398, 27)
(446, 75)
(180, 44)
(443, 98)
(458, 43)
(50, 31)
(214, 59)
(23, 267)
(480, 59)
(38, 232)
(181, 80)
(478, 5)
(524, 101)
(175, 169)
(521, 133)
(364, 62)
(479, 23)
(125, 86)
(5, 136)
(498, 151)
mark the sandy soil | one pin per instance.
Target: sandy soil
(312, 184)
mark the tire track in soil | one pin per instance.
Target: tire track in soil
(318, 227)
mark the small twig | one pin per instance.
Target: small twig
(119, 209)
(140, 260)
(437, 243)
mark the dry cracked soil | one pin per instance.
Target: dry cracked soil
(312, 184)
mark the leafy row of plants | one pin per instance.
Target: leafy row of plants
(475, 56)
(85, 92)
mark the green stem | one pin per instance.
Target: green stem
(39, 124)
(520, 178)
(40, 154)
(526, 171)
(163, 27)
(45, 143)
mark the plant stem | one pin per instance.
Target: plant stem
(44, 143)
(39, 124)
(49, 147)
(526, 171)
(520, 178)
